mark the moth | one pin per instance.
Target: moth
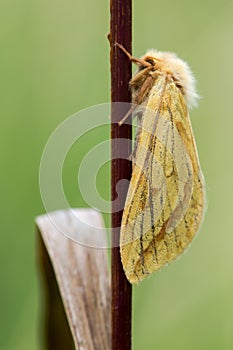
(165, 202)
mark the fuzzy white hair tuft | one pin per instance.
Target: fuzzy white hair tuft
(180, 71)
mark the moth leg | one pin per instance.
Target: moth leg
(137, 115)
(141, 95)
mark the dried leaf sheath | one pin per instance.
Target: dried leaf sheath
(165, 201)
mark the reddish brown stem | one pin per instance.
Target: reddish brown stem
(121, 32)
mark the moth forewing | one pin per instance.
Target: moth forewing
(165, 200)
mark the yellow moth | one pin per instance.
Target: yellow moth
(165, 201)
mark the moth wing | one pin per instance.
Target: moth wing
(165, 200)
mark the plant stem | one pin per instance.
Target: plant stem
(121, 32)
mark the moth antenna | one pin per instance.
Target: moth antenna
(133, 59)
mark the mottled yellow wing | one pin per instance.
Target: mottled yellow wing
(165, 200)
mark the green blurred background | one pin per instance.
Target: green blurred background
(54, 62)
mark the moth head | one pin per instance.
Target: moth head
(145, 66)
(169, 63)
(156, 62)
